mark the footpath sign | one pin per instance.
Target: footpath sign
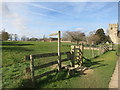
(59, 48)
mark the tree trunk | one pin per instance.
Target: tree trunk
(77, 43)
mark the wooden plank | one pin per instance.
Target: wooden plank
(27, 57)
(45, 65)
(45, 55)
(48, 64)
(63, 60)
(46, 73)
(53, 34)
(72, 56)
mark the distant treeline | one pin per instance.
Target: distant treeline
(94, 37)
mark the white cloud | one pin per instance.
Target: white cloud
(5, 11)
(19, 23)
(96, 6)
(47, 8)
(35, 13)
(77, 7)
(79, 29)
(12, 17)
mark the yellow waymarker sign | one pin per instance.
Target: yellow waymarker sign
(53, 34)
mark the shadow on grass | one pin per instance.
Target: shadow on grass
(16, 49)
(92, 64)
(52, 78)
(14, 44)
(61, 76)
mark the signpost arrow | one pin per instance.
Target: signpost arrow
(53, 34)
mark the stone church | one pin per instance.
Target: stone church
(114, 33)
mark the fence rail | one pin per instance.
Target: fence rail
(27, 57)
(48, 64)
(32, 67)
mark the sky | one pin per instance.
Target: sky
(36, 19)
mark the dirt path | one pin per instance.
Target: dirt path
(114, 79)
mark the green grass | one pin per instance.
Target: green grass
(13, 66)
(13, 55)
(98, 77)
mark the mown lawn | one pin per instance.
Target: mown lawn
(13, 66)
(97, 77)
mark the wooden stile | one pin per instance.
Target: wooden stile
(72, 56)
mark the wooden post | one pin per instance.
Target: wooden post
(32, 68)
(73, 56)
(59, 47)
(82, 48)
(59, 50)
(90, 49)
(94, 50)
(93, 55)
(82, 52)
(98, 50)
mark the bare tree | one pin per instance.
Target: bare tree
(11, 37)
(93, 39)
(66, 37)
(16, 37)
(75, 36)
(23, 38)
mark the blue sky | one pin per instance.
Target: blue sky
(34, 19)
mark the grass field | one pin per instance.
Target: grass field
(13, 66)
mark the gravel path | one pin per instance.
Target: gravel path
(114, 79)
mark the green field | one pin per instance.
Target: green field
(13, 66)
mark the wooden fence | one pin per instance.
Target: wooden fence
(70, 56)
(101, 49)
(33, 68)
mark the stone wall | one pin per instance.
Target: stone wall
(112, 32)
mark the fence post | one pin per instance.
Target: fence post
(101, 49)
(82, 48)
(32, 68)
(90, 49)
(59, 50)
(82, 52)
(98, 50)
(73, 56)
(93, 55)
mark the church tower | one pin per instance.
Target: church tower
(112, 32)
